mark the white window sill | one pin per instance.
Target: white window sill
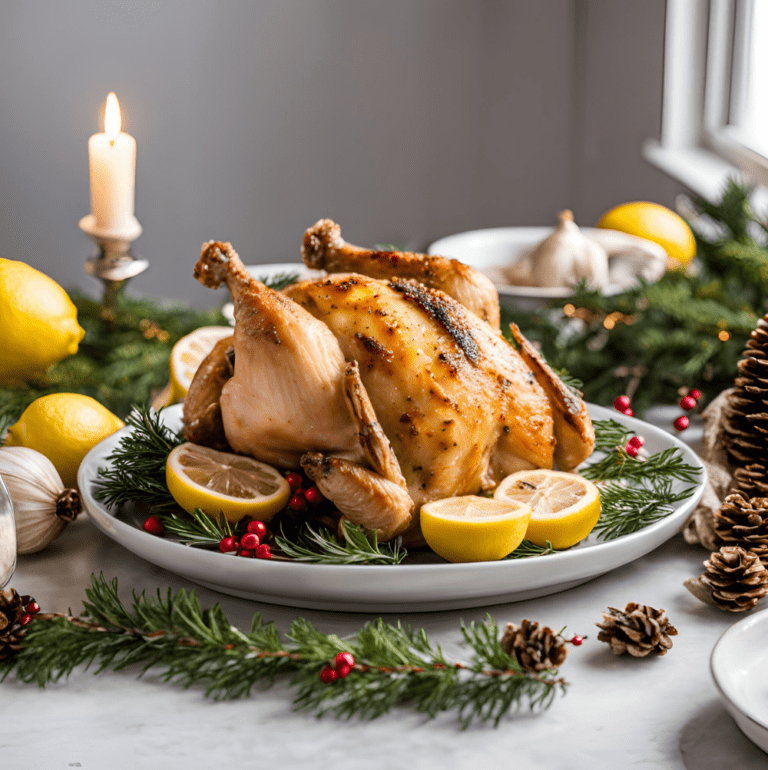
(701, 171)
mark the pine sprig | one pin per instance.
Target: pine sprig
(136, 470)
(667, 464)
(527, 549)
(359, 546)
(395, 666)
(609, 434)
(197, 529)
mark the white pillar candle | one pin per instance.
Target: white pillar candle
(112, 163)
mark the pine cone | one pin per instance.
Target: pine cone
(638, 630)
(746, 424)
(12, 630)
(534, 648)
(734, 580)
(744, 522)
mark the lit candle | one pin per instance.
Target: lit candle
(112, 162)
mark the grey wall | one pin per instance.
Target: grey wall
(403, 120)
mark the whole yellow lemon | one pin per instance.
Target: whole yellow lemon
(64, 427)
(38, 322)
(655, 223)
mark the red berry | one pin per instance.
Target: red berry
(246, 553)
(257, 528)
(628, 412)
(687, 402)
(294, 480)
(32, 608)
(328, 675)
(313, 496)
(249, 541)
(577, 640)
(344, 659)
(154, 526)
(621, 403)
(227, 544)
(343, 671)
(26, 619)
(681, 423)
(695, 393)
(297, 503)
(263, 552)
(631, 450)
(637, 441)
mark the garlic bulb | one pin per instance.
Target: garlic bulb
(42, 506)
(567, 256)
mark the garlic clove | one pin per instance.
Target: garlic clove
(568, 256)
(42, 505)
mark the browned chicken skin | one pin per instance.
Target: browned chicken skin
(325, 249)
(389, 394)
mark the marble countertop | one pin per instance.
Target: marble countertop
(618, 711)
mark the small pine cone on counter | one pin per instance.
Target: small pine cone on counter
(535, 649)
(735, 580)
(743, 521)
(12, 629)
(639, 630)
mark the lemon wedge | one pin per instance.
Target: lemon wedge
(224, 483)
(470, 528)
(187, 355)
(565, 506)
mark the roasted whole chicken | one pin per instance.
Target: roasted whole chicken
(387, 381)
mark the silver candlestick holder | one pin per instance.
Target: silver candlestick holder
(113, 264)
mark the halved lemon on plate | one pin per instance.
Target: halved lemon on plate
(470, 528)
(565, 506)
(187, 355)
(221, 483)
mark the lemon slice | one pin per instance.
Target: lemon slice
(566, 507)
(224, 483)
(187, 355)
(473, 528)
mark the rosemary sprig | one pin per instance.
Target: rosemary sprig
(197, 529)
(628, 509)
(278, 281)
(667, 464)
(360, 546)
(527, 549)
(395, 666)
(136, 470)
(609, 434)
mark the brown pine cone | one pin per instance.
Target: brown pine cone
(638, 630)
(746, 424)
(743, 521)
(534, 648)
(734, 580)
(12, 630)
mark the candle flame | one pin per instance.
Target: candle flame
(112, 119)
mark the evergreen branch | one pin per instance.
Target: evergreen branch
(136, 470)
(395, 666)
(609, 434)
(667, 464)
(278, 281)
(360, 546)
(197, 529)
(628, 509)
(527, 549)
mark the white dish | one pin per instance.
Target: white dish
(739, 666)
(488, 249)
(416, 587)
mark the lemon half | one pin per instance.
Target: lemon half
(565, 506)
(187, 355)
(224, 483)
(471, 528)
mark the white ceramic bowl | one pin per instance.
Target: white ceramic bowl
(416, 587)
(739, 666)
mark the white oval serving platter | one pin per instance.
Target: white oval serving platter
(739, 666)
(418, 587)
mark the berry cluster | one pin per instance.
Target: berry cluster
(687, 402)
(302, 498)
(633, 445)
(342, 665)
(622, 404)
(249, 544)
(31, 609)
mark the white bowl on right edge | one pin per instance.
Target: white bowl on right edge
(739, 666)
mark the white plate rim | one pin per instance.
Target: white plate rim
(163, 552)
(720, 669)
